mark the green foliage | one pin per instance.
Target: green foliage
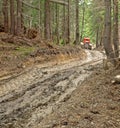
(62, 42)
(22, 50)
(94, 18)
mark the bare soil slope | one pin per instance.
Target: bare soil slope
(18, 53)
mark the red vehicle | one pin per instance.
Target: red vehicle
(87, 44)
(86, 40)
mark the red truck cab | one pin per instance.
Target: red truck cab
(86, 40)
(87, 44)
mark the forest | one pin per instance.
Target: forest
(63, 21)
(59, 63)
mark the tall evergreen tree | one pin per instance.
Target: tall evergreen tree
(115, 28)
(107, 39)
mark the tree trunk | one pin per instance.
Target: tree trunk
(12, 17)
(97, 38)
(102, 35)
(19, 17)
(57, 23)
(115, 28)
(5, 13)
(107, 36)
(68, 23)
(40, 18)
(77, 22)
(64, 25)
(47, 20)
(83, 18)
(22, 20)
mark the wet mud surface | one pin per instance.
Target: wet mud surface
(26, 100)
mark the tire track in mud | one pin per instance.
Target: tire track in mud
(47, 89)
(35, 94)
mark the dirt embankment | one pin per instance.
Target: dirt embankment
(17, 53)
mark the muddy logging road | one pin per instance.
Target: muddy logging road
(27, 99)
